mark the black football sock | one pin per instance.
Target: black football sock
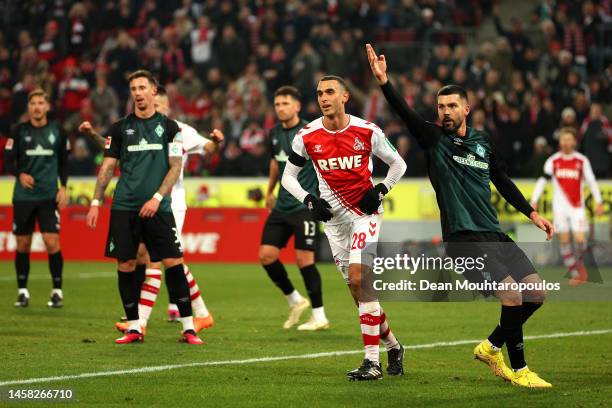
(56, 265)
(529, 308)
(130, 293)
(178, 289)
(141, 271)
(276, 271)
(312, 281)
(497, 336)
(22, 267)
(511, 323)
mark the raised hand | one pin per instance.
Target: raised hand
(378, 65)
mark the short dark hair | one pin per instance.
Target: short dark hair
(38, 92)
(288, 90)
(453, 90)
(336, 78)
(142, 73)
(161, 91)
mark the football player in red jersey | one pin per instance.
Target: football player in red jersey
(341, 148)
(568, 169)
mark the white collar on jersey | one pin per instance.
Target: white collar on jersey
(336, 131)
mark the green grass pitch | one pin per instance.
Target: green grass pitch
(249, 312)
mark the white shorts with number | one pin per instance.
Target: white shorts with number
(354, 242)
(570, 219)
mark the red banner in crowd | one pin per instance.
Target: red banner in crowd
(209, 235)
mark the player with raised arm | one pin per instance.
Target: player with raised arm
(149, 273)
(568, 169)
(148, 146)
(36, 154)
(461, 162)
(341, 148)
(290, 217)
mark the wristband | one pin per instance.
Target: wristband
(158, 197)
(95, 202)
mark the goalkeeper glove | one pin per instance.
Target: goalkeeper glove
(372, 198)
(318, 207)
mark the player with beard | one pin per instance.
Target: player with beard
(461, 163)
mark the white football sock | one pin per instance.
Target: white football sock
(134, 325)
(148, 294)
(294, 298)
(187, 323)
(369, 317)
(318, 313)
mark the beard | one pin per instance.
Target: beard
(450, 126)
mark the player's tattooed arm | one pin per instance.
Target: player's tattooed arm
(172, 176)
(149, 209)
(104, 177)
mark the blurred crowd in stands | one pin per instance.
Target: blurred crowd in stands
(221, 62)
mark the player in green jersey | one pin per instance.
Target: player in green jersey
(461, 163)
(290, 217)
(36, 153)
(148, 146)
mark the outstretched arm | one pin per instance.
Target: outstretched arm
(87, 129)
(538, 190)
(589, 177)
(541, 183)
(216, 138)
(510, 192)
(426, 133)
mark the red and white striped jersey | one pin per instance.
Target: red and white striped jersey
(568, 172)
(343, 161)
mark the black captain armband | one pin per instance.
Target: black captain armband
(296, 159)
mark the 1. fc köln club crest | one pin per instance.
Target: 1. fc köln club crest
(358, 144)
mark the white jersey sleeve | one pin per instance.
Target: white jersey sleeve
(589, 177)
(193, 143)
(384, 150)
(298, 146)
(541, 183)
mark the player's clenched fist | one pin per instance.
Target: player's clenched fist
(318, 207)
(86, 128)
(372, 198)
(92, 217)
(216, 136)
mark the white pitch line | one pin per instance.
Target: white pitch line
(85, 275)
(277, 358)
